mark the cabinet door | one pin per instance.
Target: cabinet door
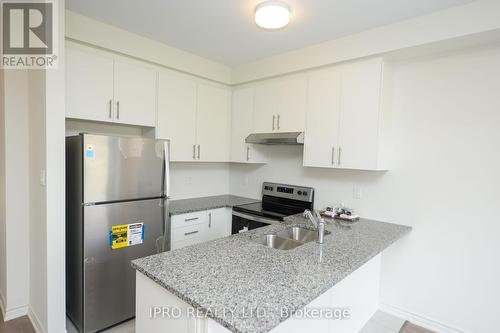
(265, 107)
(291, 98)
(219, 223)
(322, 119)
(135, 94)
(89, 85)
(177, 114)
(242, 126)
(359, 118)
(213, 123)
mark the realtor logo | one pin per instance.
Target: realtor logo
(28, 34)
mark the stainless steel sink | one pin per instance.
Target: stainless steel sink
(275, 242)
(300, 234)
(289, 238)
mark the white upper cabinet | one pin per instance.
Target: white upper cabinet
(195, 115)
(213, 123)
(323, 115)
(361, 112)
(242, 126)
(135, 94)
(102, 86)
(177, 114)
(265, 102)
(291, 98)
(89, 85)
(348, 125)
(280, 105)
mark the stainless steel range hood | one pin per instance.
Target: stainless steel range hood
(290, 138)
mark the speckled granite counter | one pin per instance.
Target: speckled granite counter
(234, 272)
(205, 203)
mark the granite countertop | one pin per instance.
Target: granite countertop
(205, 203)
(237, 273)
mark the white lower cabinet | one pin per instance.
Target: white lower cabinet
(198, 227)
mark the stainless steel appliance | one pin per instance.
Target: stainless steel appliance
(278, 201)
(116, 210)
(288, 138)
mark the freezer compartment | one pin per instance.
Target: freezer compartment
(109, 280)
(123, 168)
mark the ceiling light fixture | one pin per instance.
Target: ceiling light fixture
(272, 15)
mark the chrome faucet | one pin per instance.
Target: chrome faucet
(318, 222)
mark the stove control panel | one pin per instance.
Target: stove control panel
(294, 192)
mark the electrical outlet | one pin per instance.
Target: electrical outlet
(357, 192)
(245, 180)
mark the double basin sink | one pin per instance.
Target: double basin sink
(289, 238)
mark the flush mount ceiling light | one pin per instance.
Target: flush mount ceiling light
(272, 15)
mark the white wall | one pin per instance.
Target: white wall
(189, 180)
(90, 31)
(471, 23)
(3, 255)
(16, 187)
(444, 183)
(37, 198)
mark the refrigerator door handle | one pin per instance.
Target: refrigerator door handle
(166, 176)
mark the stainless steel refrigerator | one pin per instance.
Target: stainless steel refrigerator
(117, 191)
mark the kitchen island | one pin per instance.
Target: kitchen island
(235, 284)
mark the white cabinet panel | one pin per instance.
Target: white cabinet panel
(242, 126)
(189, 219)
(348, 125)
(135, 94)
(265, 107)
(219, 223)
(291, 97)
(360, 113)
(89, 85)
(213, 121)
(322, 121)
(280, 105)
(177, 114)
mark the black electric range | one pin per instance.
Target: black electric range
(278, 201)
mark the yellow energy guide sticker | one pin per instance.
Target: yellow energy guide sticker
(119, 235)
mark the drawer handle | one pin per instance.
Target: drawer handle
(190, 233)
(191, 219)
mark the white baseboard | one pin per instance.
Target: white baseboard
(37, 325)
(419, 320)
(2, 304)
(9, 314)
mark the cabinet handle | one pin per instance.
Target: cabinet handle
(278, 122)
(191, 219)
(190, 233)
(118, 110)
(333, 155)
(340, 154)
(110, 109)
(248, 153)
(274, 118)
(210, 220)
(194, 152)
(199, 149)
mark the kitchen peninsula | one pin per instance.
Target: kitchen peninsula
(235, 284)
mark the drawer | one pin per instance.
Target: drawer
(192, 234)
(184, 220)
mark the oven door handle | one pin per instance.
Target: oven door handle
(255, 218)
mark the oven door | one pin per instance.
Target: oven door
(243, 222)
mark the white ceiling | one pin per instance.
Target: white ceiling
(224, 30)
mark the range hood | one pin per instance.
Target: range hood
(290, 138)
